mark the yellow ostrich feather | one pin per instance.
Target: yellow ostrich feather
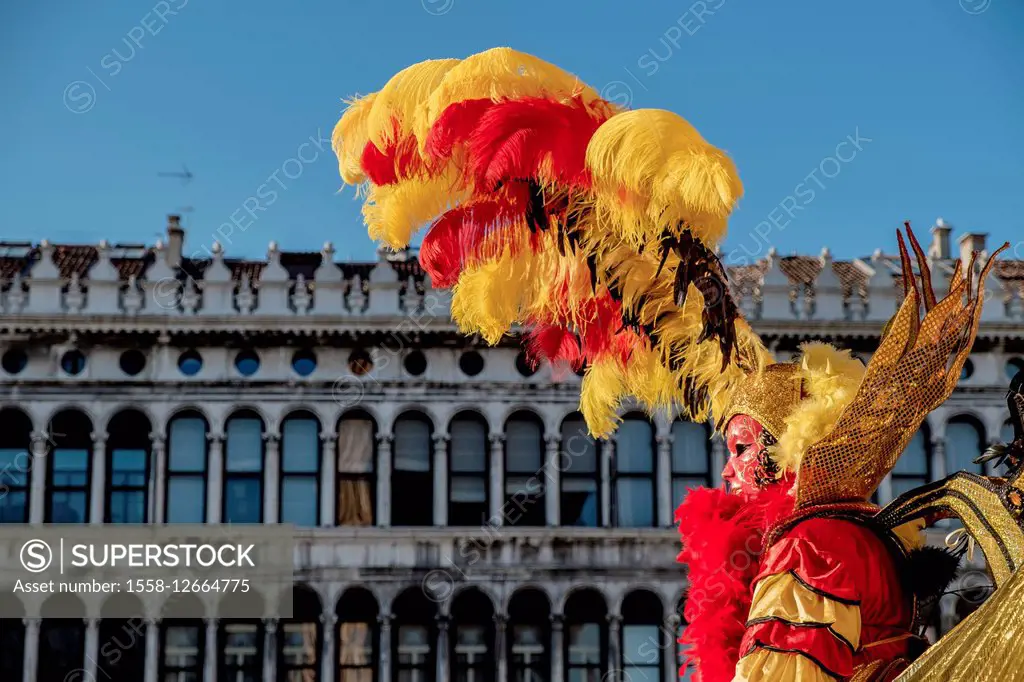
(350, 137)
(601, 392)
(502, 73)
(393, 213)
(653, 170)
(396, 105)
(831, 378)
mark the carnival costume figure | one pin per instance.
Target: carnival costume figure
(592, 231)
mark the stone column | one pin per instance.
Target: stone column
(496, 496)
(670, 666)
(98, 479)
(384, 445)
(31, 656)
(557, 648)
(329, 663)
(614, 646)
(270, 649)
(440, 481)
(92, 647)
(663, 473)
(37, 497)
(215, 478)
(606, 464)
(719, 456)
(210, 662)
(272, 478)
(152, 667)
(500, 648)
(443, 653)
(158, 478)
(939, 466)
(552, 478)
(385, 647)
(328, 479)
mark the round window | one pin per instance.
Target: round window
(73, 362)
(132, 362)
(360, 362)
(525, 366)
(190, 362)
(967, 371)
(304, 362)
(471, 363)
(1013, 366)
(14, 361)
(415, 363)
(247, 362)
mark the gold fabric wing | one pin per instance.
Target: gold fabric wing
(914, 370)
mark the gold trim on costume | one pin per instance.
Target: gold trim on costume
(783, 597)
(765, 665)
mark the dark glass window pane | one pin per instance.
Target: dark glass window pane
(579, 505)
(243, 500)
(186, 499)
(468, 446)
(244, 445)
(634, 502)
(524, 451)
(61, 649)
(299, 501)
(68, 507)
(412, 445)
(914, 460)
(12, 648)
(578, 448)
(585, 644)
(15, 466)
(634, 447)
(300, 443)
(187, 445)
(963, 444)
(128, 507)
(689, 448)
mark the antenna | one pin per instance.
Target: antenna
(184, 174)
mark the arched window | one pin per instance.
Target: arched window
(69, 468)
(691, 458)
(586, 636)
(298, 639)
(472, 637)
(122, 641)
(240, 639)
(467, 471)
(357, 464)
(61, 638)
(15, 465)
(524, 471)
(634, 494)
(965, 440)
(300, 470)
(187, 457)
(243, 469)
(414, 637)
(913, 468)
(127, 485)
(12, 638)
(643, 637)
(529, 636)
(580, 475)
(412, 472)
(357, 637)
(182, 640)
(1006, 436)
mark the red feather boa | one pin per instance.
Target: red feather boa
(721, 536)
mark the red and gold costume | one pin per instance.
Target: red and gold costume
(593, 230)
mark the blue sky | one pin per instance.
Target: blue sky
(101, 96)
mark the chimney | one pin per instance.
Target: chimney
(939, 248)
(972, 241)
(175, 240)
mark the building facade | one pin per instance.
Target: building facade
(454, 520)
